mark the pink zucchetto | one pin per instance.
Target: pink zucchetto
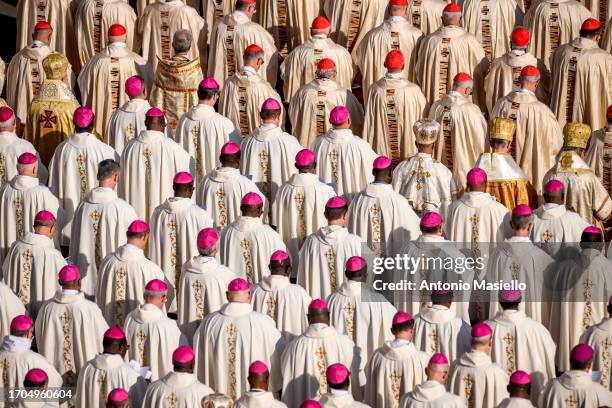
(339, 115)
(118, 395)
(591, 229)
(154, 113)
(183, 177)
(522, 210)
(355, 263)
(335, 202)
(230, 148)
(553, 186)
(36, 375)
(431, 219)
(83, 116)
(207, 238)
(582, 353)
(401, 317)
(317, 304)
(305, 157)
(156, 286)
(138, 227)
(510, 295)
(279, 256)
(238, 285)
(476, 176)
(21, 323)
(69, 273)
(271, 104)
(480, 330)
(381, 163)
(45, 216)
(520, 378)
(183, 355)
(251, 199)
(336, 373)
(258, 367)
(310, 404)
(6, 116)
(114, 333)
(438, 359)
(209, 83)
(27, 158)
(133, 86)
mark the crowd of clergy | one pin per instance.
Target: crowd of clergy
(191, 193)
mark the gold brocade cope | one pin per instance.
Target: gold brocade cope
(511, 193)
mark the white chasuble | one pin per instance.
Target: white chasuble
(176, 390)
(11, 147)
(431, 394)
(574, 388)
(437, 329)
(555, 228)
(599, 337)
(598, 155)
(426, 15)
(256, 398)
(125, 123)
(340, 399)
(10, 307)
(350, 21)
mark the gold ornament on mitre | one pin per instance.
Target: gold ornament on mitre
(217, 400)
(426, 131)
(576, 135)
(55, 66)
(502, 129)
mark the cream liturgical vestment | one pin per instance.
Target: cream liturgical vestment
(202, 291)
(350, 21)
(323, 257)
(426, 15)
(30, 269)
(576, 387)
(437, 329)
(256, 398)
(11, 147)
(311, 105)
(597, 156)
(149, 164)
(431, 394)
(306, 359)
(10, 307)
(383, 218)
(340, 398)
(213, 11)
(606, 42)
(152, 337)
(344, 160)
(393, 105)
(121, 283)
(393, 370)
(229, 38)
(202, 131)
(599, 337)
(299, 68)
(228, 341)
(183, 389)
(555, 228)
(125, 123)
(285, 302)
(246, 246)
(463, 135)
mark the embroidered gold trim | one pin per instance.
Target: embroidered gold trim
(606, 357)
(588, 307)
(67, 349)
(222, 217)
(271, 310)
(321, 356)
(120, 294)
(165, 34)
(299, 201)
(392, 126)
(18, 203)
(330, 255)
(375, 216)
(26, 273)
(416, 14)
(433, 345)
(142, 338)
(444, 59)
(606, 177)
(509, 348)
(199, 301)
(468, 382)
(321, 113)
(195, 139)
(231, 362)
(354, 25)
(265, 174)
(485, 29)
(115, 85)
(3, 177)
(97, 35)
(230, 58)
(95, 224)
(5, 365)
(242, 110)
(34, 75)
(395, 378)
(147, 162)
(333, 159)
(349, 320)
(81, 163)
(447, 157)
(571, 84)
(553, 27)
(246, 257)
(176, 268)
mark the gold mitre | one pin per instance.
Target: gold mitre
(502, 129)
(55, 66)
(217, 400)
(426, 131)
(576, 135)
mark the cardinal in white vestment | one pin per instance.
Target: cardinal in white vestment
(352, 20)
(306, 359)
(247, 244)
(69, 329)
(520, 391)
(324, 253)
(576, 386)
(396, 367)
(285, 302)
(599, 337)
(149, 164)
(338, 385)
(310, 106)
(229, 340)
(123, 275)
(74, 166)
(299, 206)
(203, 283)
(258, 395)
(108, 371)
(179, 387)
(597, 154)
(10, 307)
(343, 159)
(151, 335)
(31, 265)
(299, 67)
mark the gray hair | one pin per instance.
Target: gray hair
(181, 41)
(107, 168)
(207, 251)
(326, 73)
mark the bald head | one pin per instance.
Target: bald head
(181, 41)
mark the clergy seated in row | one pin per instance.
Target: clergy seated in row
(21, 199)
(247, 244)
(311, 104)
(393, 103)
(325, 252)
(576, 386)
(69, 314)
(10, 307)
(343, 159)
(258, 394)
(50, 114)
(427, 184)
(268, 152)
(202, 285)
(32, 262)
(177, 79)
(339, 383)
(202, 131)
(123, 275)
(585, 193)
(236, 330)
(304, 376)
(102, 79)
(285, 302)
(464, 128)
(598, 152)
(74, 166)
(297, 69)
(223, 188)
(180, 386)
(599, 337)
(149, 163)
(245, 91)
(432, 392)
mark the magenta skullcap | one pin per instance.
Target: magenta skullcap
(476, 176)
(258, 367)
(522, 210)
(114, 333)
(582, 353)
(553, 186)
(183, 177)
(230, 148)
(183, 355)
(438, 358)
(310, 404)
(207, 238)
(431, 219)
(591, 229)
(338, 115)
(336, 202)
(481, 330)
(6, 115)
(317, 304)
(83, 116)
(209, 83)
(251, 199)
(138, 227)
(381, 163)
(154, 113)
(44, 215)
(27, 158)
(133, 85)
(401, 317)
(355, 263)
(36, 375)
(21, 323)
(510, 295)
(238, 285)
(305, 157)
(271, 104)
(336, 373)
(520, 378)
(279, 255)
(156, 286)
(118, 395)
(69, 273)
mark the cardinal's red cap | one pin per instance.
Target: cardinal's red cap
(116, 30)
(520, 36)
(394, 60)
(590, 24)
(319, 23)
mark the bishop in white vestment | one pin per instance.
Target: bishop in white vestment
(520, 390)
(258, 394)
(599, 337)
(338, 386)
(10, 307)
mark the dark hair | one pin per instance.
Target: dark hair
(269, 113)
(552, 196)
(442, 297)
(335, 213)
(579, 365)
(241, 5)
(280, 265)
(20, 333)
(356, 274)
(405, 326)
(343, 385)
(520, 221)
(590, 33)
(87, 128)
(509, 305)
(107, 168)
(250, 208)
(205, 94)
(497, 143)
(159, 120)
(31, 384)
(39, 223)
(230, 158)
(131, 235)
(430, 230)
(106, 342)
(182, 188)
